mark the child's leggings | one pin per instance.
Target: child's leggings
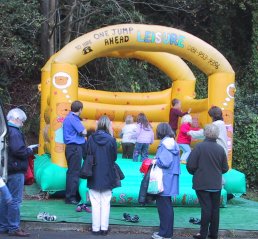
(186, 151)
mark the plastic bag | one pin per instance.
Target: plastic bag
(156, 180)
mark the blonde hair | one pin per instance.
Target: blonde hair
(104, 123)
(186, 119)
(129, 119)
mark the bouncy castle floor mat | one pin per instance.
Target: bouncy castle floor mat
(51, 178)
(230, 216)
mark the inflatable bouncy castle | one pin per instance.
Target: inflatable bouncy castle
(164, 47)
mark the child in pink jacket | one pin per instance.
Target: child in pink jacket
(183, 139)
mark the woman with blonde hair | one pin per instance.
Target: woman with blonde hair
(104, 148)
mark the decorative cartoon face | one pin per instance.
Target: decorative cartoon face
(109, 113)
(62, 80)
(231, 90)
(228, 116)
(62, 109)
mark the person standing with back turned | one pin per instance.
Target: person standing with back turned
(74, 138)
(18, 154)
(103, 146)
(207, 162)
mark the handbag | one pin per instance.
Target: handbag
(119, 171)
(146, 163)
(156, 180)
(86, 170)
(119, 175)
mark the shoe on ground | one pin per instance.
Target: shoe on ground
(74, 202)
(198, 236)
(212, 237)
(96, 233)
(19, 233)
(104, 232)
(156, 235)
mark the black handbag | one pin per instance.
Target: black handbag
(86, 170)
(119, 175)
(119, 171)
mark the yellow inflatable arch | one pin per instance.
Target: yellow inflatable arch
(161, 46)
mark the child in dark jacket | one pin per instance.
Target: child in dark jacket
(175, 113)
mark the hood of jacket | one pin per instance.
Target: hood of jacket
(171, 145)
(101, 137)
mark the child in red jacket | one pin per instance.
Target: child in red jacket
(183, 139)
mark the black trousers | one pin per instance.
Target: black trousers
(166, 216)
(210, 203)
(73, 154)
(128, 149)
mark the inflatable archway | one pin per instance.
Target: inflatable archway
(161, 46)
(155, 44)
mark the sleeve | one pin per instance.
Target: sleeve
(164, 158)
(17, 146)
(78, 126)
(184, 128)
(180, 113)
(193, 159)
(224, 163)
(196, 134)
(114, 150)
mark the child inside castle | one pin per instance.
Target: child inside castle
(144, 136)
(184, 139)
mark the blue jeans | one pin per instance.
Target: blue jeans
(10, 213)
(140, 149)
(5, 195)
(186, 151)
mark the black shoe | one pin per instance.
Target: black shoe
(74, 202)
(212, 237)
(96, 233)
(104, 232)
(197, 236)
(19, 233)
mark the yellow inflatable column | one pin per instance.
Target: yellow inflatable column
(221, 90)
(64, 90)
(44, 87)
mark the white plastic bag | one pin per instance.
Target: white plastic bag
(156, 180)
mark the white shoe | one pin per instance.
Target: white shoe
(155, 235)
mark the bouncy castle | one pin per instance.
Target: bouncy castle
(164, 47)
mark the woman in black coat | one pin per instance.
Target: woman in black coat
(207, 162)
(104, 148)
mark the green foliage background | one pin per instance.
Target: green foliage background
(231, 26)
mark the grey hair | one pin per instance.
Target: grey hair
(211, 131)
(104, 124)
(16, 113)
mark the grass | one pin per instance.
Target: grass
(251, 194)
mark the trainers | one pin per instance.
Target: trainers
(44, 216)
(156, 235)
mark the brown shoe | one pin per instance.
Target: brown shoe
(19, 233)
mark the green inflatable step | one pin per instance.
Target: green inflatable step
(52, 178)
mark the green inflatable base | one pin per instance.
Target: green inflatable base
(52, 178)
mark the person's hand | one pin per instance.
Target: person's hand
(154, 161)
(33, 146)
(189, 110)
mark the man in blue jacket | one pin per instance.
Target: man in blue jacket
(74, 138)
(18, 154)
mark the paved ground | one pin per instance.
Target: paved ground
(42, 234)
